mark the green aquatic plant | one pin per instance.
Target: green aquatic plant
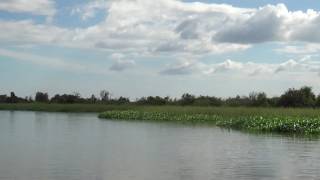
(266, 123)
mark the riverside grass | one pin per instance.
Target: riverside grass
(259, 123)
(223, 111)
(46, 107)
(297, 120)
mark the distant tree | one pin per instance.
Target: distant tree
(93, 99)
(3, 98)
(156, 100)
(308, 97)
(13, 98)
(274, 101)
(105, 95)
(304, 97)
(66, 99)
(208, 101)
(123, 100)
(168, 99)
(258, 99)
(318, 101)
(238, 101)
(187, 99)
(42, 97)
(30, 99)
(152, 100)
(77, 94)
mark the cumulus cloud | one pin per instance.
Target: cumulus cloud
(227, 66)
(286, 65)
(120, 62)
(37, 7)
(137, 26)
(303, 65)
(89, 10)
(261, 26)
(172, 26)
(27, 32)
(182, 68)
(271, 23)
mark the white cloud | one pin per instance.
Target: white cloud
(183, 67)
(120, 62)
(271, 24)
(27, 32)
(290, 64)
(52, 62)
(309, 48)
(121, 65)
(37, 7)
(262, 25)
(172, 27)
(130, 26)
(89, 10)
(229, 67)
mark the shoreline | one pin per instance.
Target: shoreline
(260, 119)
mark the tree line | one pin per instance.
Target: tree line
(303, 97)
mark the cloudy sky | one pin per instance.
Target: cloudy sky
(138, 48)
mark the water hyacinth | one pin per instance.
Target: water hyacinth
(284, 124)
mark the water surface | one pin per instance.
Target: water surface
(61, 146)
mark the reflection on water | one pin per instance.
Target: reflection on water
(58, 146)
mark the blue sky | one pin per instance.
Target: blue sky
(164, 47)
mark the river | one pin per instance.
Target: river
(70, 146)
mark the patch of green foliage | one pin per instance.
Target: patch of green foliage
(241, 119)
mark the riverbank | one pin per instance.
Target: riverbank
(225, 111)
(62, 107)
(289, 120)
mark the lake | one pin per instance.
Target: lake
(69, 146)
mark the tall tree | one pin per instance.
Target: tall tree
(104, 95)
(42, 97)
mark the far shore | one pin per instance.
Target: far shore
(264, 119)
(98, 108)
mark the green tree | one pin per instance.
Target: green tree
(13, 98)
(42, 97)
(187, 99)
(318, 101)
(105, 95)
(304, 97)
(308, 97)
(258, 99)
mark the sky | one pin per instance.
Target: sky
(136, 48)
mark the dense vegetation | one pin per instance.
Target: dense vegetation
(303, 97)
(269, 119)
(301, 121)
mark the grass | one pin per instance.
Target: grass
(289, 120)
(224, 111)
(62, 107)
